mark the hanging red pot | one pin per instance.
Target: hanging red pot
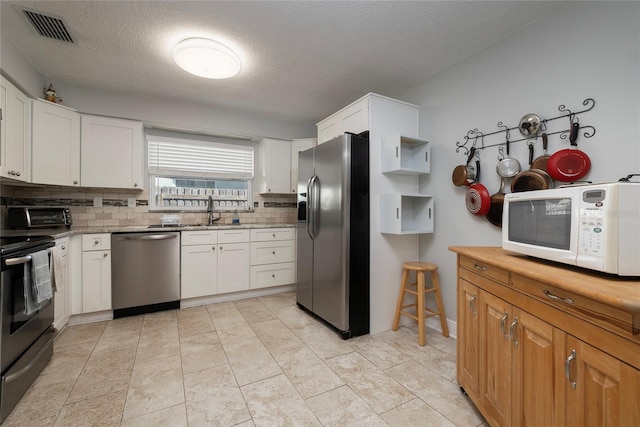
(569, 164)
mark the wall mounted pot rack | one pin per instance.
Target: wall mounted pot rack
(474, 135)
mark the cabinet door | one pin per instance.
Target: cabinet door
(275, 166)
(355, 118)
(15, 129)
(199, 271)
(537, 358)
(96, 281)
(55, 144)
(111, 153)
(495, 358)
(329, 129)
(233, 267)
(606, 390)
(468, 351)
(298, 145)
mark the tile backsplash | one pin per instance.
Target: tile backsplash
(115, 210)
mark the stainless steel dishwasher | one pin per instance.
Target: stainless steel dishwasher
(145, 272)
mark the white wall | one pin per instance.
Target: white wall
(181, 114)
(20, 71)
(588, 50)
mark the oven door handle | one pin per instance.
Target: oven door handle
(15, 375)
(21, 260)
(17, 261)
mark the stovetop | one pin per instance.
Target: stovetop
(14, 244)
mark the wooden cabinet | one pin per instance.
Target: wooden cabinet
(55, 146)
(298, 145)
(526, 361)
(275, 166)
(353, 118)
(15, 133)
(214, 262)
(96, 272)
(62, 300)
(111, 153)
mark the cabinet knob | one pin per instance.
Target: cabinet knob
(105, 254)
(274, 234)
(274, 252)
(213, 247)
(135, 184)
(273, 275)
(12, 173)
(220, 247)
(95, 242)
(75, 181)
(64, 247)
(18, 173)
(269, 190)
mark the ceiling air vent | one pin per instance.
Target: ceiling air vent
(48, 26)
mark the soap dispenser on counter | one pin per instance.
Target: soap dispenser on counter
(236, 218)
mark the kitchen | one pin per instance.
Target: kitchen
(577, 51)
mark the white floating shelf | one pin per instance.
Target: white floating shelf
(406, 213)
(405, 155)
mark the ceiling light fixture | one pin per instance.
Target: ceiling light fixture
(206, 58)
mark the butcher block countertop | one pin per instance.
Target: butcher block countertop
(619, 292)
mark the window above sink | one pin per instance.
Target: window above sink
(185, 173)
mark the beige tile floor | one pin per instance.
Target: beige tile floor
(253, 362)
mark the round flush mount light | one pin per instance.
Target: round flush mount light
(206, 58)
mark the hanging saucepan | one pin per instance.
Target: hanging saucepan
(570, 164)
(507, 168)
(540, 162)
(532, 179)
(465, 174)
(529, 125)
(477, 198)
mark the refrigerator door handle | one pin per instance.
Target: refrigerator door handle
(315, 182)
(309, 208)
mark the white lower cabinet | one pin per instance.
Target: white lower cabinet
(62, 298)
(272, 257)
(214, 262)
(96, 272)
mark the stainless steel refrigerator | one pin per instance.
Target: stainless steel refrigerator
(333, 233)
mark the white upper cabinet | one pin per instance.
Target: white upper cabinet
(403, 155)
(55, 144)
(15, 130)
(112, 153)
(275, 166)
(298, 145)
(354, 118)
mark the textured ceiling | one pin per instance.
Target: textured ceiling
(303, 60)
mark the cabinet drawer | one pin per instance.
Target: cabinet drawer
(263, 276)
(63, 244)
(592, 311)
(272, 252)
(96, 242)
(204, 237)
(233, 236)
(486, 270)
(271, 234)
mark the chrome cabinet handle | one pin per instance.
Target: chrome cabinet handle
(511, 332)
(64, 247)
(273, 275)
(472, 303)
(75, 181)
(213, 247)
(567, 368)
(135, 184)
(95, 242)
(503, 322)
(557, 298)
(274, 235)
(479, 267)
(105, 254)
(17, 173)
(274, 252)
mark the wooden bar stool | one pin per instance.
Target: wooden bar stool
(422, 312)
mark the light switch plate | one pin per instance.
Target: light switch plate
(131, 202)
(97, 202)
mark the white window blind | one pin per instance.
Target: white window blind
(190, 158)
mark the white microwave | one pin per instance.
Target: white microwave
(595, 226)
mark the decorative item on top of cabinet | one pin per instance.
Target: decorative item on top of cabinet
(275, 166)
(55, 149)
(112, 153)
(405, 155)
(406, 213)
(15, 133)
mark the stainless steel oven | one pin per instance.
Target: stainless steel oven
(26, 338)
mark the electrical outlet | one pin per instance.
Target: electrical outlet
(97, 202)
(131, 202)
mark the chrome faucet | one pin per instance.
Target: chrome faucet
(212, 218)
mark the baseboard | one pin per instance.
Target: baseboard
(252, 293)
